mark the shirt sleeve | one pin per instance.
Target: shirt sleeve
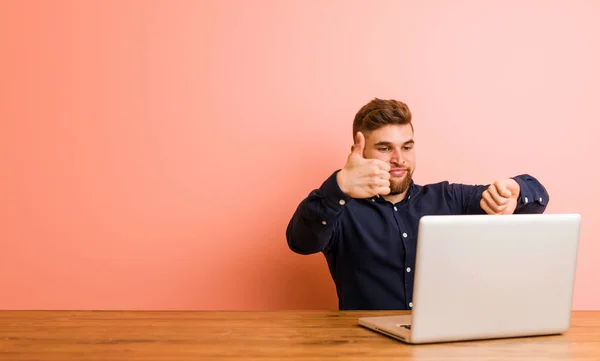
(533, 197)
(313, 227)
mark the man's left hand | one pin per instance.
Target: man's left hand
(500, 197)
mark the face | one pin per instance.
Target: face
(393, 144)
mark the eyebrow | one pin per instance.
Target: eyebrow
(390, 143)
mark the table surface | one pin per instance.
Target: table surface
(241, 335)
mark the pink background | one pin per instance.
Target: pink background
(152, 152)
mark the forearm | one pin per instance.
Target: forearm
(528, 196)
(313, 226)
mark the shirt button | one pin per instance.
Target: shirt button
(324, 222)
(404, 235)
(407, 269)
(526, 200)
(342, 202)
(540, 199)
(408, 197)
(395, 208)
(410, 304)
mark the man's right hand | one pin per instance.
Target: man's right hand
(363, 178)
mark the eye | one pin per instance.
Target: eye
(383, 149)
(408, 147)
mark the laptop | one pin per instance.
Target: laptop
(489, 276)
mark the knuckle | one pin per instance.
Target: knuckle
(380, 164)
(486, 206)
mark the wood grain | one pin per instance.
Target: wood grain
(293, 335)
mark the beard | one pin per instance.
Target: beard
(399, 186)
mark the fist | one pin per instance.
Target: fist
(361, 177)
(500, 197)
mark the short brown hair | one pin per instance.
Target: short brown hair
(379, 112)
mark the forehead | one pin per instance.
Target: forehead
(391, 133)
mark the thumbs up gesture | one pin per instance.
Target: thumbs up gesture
(500, 197)
(361, 177)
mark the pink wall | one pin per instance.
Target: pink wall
(152, 152)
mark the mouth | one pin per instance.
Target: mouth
(398, 172)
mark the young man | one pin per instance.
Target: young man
(364, 217)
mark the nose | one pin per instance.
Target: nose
(397, 157)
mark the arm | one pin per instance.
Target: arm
(531, 196)
(313, 227)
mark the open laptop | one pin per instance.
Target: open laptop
(483, 277)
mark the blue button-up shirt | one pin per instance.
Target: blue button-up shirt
(370, 244)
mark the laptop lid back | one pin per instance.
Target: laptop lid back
(481, 276)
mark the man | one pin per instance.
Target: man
(364, 217)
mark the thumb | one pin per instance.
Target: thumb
(514, 188)
(359, 144)
(503, 190)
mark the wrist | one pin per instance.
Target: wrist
(341, 181)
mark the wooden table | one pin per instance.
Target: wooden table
(298, 335)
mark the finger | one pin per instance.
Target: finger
(486, 207)
(375, 182)
(374, 171)
(490, 203)
(382, 174)
(502, 189)
(498, 199)
(383, 190)
(359, 144)
(382, 183)
(381, 164)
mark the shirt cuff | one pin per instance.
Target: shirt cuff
(530, 191)
(332, 193)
